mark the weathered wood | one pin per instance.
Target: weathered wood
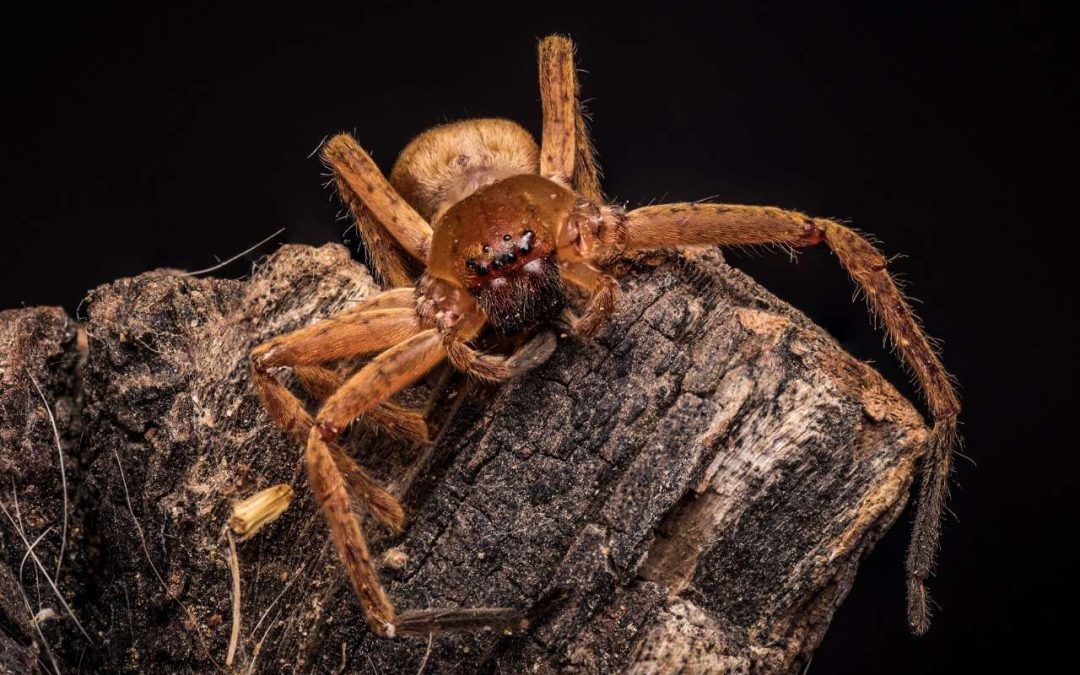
(703, 478)
(38, 349)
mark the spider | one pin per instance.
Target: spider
(479, 227)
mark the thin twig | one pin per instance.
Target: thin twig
(37, 628)
(63, 475)
(234, 566)
(232, 259)
(32, 545)
(427, 654)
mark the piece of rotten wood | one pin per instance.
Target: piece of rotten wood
(703, 479)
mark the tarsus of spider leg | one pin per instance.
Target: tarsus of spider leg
(423, 622)
(867, 267)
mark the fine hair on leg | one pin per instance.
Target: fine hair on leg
(395, 236)
(565, 120)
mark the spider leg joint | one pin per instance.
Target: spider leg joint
(327, 431)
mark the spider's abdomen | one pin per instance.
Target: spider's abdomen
(499, 244)
(443, 165)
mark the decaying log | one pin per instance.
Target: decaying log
(703, 479)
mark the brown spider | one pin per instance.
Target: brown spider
(502, 226)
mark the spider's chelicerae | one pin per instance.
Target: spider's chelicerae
(500, 228)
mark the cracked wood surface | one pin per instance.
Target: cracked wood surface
(704, 478)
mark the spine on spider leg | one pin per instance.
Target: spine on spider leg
(329, 486)
(867, 266)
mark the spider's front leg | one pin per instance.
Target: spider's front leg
(599, 232)
(603, 292)
(395, 236)
(390, 372)
(370, 326)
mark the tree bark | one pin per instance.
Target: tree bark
(703, 479)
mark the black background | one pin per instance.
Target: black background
(137, 138)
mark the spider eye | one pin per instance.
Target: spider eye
(506, 237)
(476, 266)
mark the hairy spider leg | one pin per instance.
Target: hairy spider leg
(329, 488)
(396, 420)
(405, 362)
(392, 231)
(423, 622)
(351, 333)
(390, 372)
(567, 155)
(402, 364)
(388, 417)
(336, 480)
(687, 224)
(603, 290)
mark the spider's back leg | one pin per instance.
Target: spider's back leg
(567, 154)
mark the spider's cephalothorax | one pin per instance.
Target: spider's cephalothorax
(478, 226)
(499, 243)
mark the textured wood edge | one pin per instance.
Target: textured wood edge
(704, 478)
